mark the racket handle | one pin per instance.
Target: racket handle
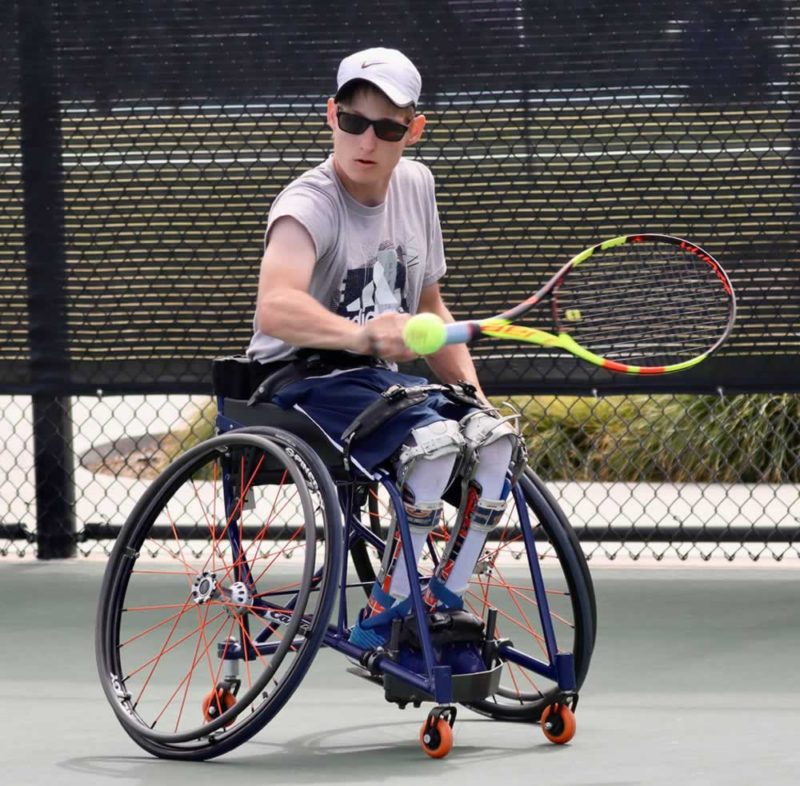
(461, 332)
(426, 333)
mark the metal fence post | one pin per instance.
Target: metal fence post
(42, 174)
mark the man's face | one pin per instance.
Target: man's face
(363, 160)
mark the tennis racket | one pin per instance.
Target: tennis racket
(637, 304)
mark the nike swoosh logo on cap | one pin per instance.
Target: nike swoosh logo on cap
(365, 64)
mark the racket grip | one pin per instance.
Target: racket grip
(461, 332)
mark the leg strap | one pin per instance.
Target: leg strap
(477, 517)
(438, 591)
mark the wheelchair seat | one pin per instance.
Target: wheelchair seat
(235, 378)
(292, 421)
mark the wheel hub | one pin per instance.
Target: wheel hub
(204, 588)
(241, 599)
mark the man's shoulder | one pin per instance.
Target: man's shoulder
(410, 170)
(413, 180)
(318, 183)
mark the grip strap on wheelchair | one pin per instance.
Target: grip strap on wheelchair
(394, 400)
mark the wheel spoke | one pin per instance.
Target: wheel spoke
(168, 629)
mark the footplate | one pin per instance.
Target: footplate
(466, 687)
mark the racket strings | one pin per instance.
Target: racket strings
(643, 304)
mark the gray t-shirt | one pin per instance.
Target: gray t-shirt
(370, 260)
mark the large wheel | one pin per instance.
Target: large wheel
(503, 581)
(218, 593)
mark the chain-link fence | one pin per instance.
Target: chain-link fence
(638, 476)
(141, 144)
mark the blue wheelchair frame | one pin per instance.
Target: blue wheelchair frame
(437, 681)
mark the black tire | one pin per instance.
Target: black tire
(523, 695)
(159, 641)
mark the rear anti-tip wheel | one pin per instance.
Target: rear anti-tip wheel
(436, 737)
(558, 723)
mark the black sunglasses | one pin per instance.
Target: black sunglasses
(387, 130)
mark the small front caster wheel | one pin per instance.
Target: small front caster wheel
(558, 723)
(436, 737)
(216, 702)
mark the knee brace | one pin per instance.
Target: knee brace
(478, 514)
(432, 441)
(423, 468)
(480, 430)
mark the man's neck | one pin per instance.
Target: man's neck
(368, 194)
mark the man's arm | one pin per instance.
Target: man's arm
(286, 311)
(453, 361)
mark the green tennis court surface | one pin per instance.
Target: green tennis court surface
(694, 681)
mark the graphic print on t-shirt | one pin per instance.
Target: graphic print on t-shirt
(377, 287)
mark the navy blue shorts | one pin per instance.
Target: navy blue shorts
(335, 400)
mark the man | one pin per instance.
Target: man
(353, 247)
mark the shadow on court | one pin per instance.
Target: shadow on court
(694, 681)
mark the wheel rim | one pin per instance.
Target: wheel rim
(182, 606)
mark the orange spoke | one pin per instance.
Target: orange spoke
(179, 544)
(521, 589)
(166, 649)
(215, 678)
(278, 554)
(159, 606)
(527, 675)
(495, 552)
(295, 585)
(255, 542)
(524, 673)
(514, 599)
(209, 520)
(513, 679)
(163, 547)
(242, 494)
(189, 681)
(157, 658)
(536, 636)
(216, 551)
(235, 513)
(515, 590)
(149, 630)
(188, 676)
(208, 645)
(249, 637)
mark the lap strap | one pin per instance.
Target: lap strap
(398, 398)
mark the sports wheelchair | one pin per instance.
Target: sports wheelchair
(257, 547)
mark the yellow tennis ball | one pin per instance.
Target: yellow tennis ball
(424, 334)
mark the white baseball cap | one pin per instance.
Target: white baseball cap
(389, 70)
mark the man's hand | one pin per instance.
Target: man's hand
(382, 336)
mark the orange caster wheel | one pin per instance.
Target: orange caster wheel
(436, 734)
(558, 723)
(436, 738)
(216, 702)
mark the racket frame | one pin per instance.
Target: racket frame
(502, 326)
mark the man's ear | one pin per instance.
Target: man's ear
(415, 129)
(331, 113)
